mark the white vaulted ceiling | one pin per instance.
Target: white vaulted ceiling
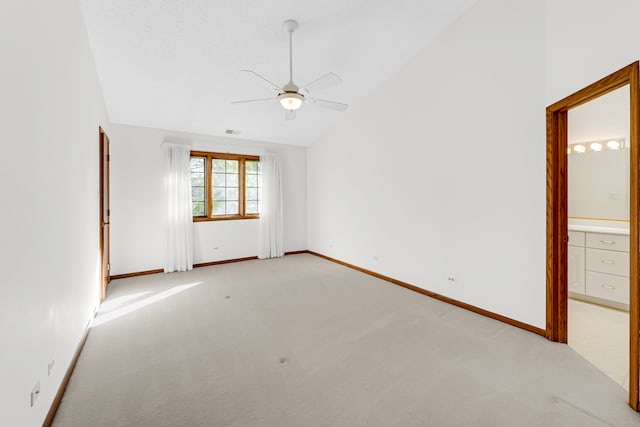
(174, 64)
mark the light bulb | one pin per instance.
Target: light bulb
(613, 144)
(579, 148)
(596, 146)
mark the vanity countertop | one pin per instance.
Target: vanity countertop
(599, 229)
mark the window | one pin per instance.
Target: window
(225, 186)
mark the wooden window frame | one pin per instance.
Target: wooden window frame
(208, 205)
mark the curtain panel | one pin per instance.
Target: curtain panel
(271, 223)
(179, 219)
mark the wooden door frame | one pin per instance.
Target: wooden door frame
(557, 215)
(105, 277)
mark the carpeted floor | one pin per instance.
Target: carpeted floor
(301, 341)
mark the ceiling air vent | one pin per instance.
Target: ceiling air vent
(232, 131)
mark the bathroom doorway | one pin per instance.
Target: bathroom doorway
(598, 179)
(557, 211)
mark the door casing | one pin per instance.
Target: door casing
(105, 267)
(557, 213)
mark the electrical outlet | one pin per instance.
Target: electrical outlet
(376, 258)
(35, 392)
(451, 278)
(50, 366)
(216, 248)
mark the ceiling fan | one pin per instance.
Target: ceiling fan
(290, 96)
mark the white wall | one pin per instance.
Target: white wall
(50, 109)
(599, 181)
(442, 171)
(603, 118)
(587, 40)
(137, 215)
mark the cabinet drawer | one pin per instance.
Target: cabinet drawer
(610, 262)
(611, 242)
(606, 286)
(576, 238)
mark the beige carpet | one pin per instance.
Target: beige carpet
(301, 341)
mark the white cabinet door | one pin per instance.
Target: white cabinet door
(576, 270)
(576, 238)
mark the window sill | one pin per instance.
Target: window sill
(224, 218)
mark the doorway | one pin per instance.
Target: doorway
(557, 211)
(598, 253)
(105, 266)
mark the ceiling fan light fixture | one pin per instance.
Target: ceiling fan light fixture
(290, 101)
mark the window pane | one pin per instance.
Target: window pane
(252, 207)
(232, 166)
(218, 194)
(232, 194)
(218, 208)
(218, 165)
(252, 180)
(197, 194)
(232, 207)
(251, 166)
(232, 180)
(197, 208)
(197, 164)
(252, 194)
(218, 179)
(197, 179)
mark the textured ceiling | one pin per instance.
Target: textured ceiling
(174, 64)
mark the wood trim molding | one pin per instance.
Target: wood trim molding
(136, 273)
(306, 251)
(65, 381)
(634, 232)
(224, 261)
(202, 264)
(557, 214)
(442, 298)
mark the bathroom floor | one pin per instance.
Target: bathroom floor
(601, 335)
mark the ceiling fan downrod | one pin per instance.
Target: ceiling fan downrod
(290, 25)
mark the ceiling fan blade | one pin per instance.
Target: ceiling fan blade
(322, 82)
(289, 115)
(253, 100)
(266, 82)
(339, 106)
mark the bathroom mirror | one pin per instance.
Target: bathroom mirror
(598, 179)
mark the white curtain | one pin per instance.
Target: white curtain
(270, 208)
(179, 226)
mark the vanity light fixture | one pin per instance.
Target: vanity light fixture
(613, 144)
(605, 145)
(579, 148)
(596, 146)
